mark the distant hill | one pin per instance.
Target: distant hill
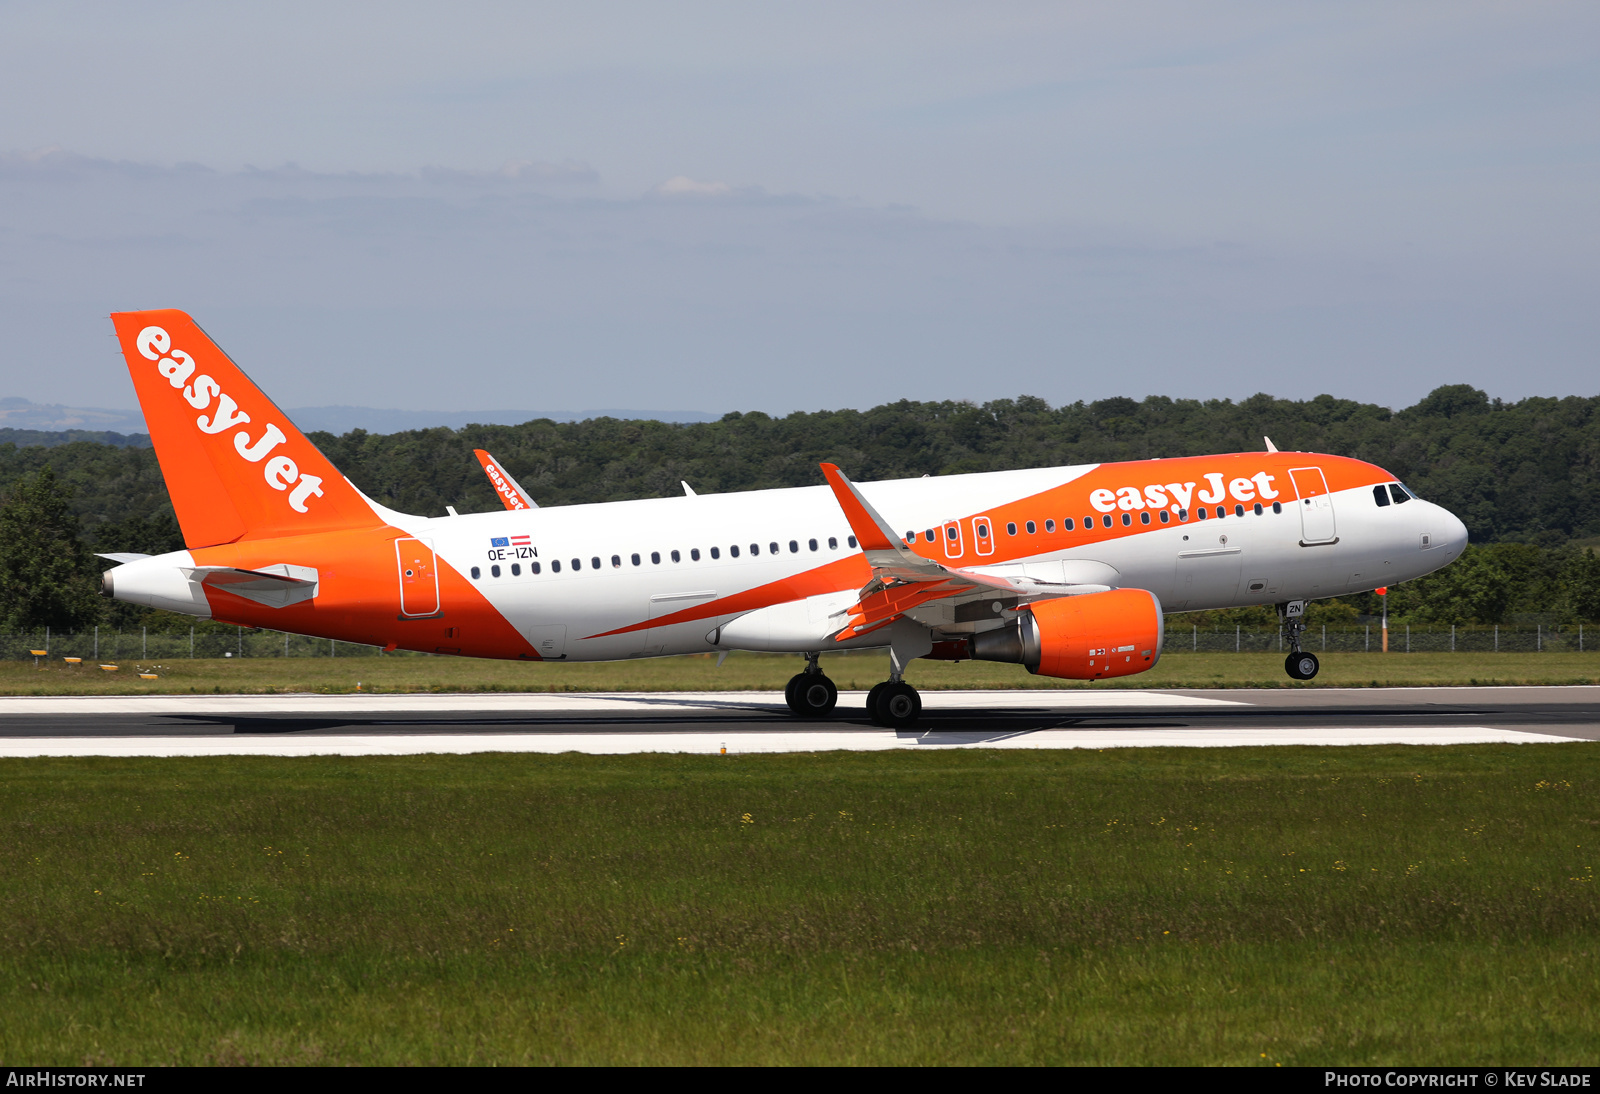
(342, 419)
(23, 422)
(50, 438)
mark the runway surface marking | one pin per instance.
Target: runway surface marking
(543, 702)
(863, 740)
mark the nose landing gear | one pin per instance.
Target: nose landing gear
(1300, 665)
(810, 694)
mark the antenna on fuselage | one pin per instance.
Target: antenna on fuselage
(688, 491)
(1270, 446)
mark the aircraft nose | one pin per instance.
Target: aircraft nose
(1452, 533)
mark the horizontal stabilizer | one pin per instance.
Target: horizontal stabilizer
(276, 586)
(123, 556)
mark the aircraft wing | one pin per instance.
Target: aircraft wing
(903, 580)
(509, 490)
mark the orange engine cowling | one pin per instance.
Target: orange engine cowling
(1091, 637)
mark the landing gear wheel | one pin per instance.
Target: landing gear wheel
(898, 705)
(811, 695)
(1301, 666)
(872, 702)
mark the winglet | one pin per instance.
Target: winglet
(510, 491)
(872, 531)
(1270, 446)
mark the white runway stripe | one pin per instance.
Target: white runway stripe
(550, 703)
(711, 742)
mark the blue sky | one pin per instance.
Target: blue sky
(736, 206)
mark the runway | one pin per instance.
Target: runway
(754, 722)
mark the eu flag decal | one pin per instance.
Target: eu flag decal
(500, 541)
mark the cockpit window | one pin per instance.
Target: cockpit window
(1380, 495)
(1399, 492)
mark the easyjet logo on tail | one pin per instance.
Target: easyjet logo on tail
(1179, 494)
(281, 472)
(513, 500)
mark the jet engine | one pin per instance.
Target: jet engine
(1091, 637)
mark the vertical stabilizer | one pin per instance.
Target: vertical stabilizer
(235, 466)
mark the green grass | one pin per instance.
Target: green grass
(1231, 906)
(768, 672)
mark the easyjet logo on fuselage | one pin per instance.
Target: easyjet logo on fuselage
(281, 472)
(1181, 495)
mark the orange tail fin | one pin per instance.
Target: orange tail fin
(235, 466)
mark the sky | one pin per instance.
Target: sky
(735, 206)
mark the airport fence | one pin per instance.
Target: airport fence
(105, 644)
(1402, 638)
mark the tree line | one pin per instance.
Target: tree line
(1522, 475)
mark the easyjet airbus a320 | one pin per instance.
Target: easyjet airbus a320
(1066, 570)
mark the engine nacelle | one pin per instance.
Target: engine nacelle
(1091, 637)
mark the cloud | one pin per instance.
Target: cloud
(529, 285)
(684, 186)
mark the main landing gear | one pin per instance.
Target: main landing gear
(811, 694)
(893, 703)
(1300, 665)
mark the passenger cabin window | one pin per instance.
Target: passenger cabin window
(555, 565)
(516, 569)
(755, 548)
(577, 564)
(1127, 519)
(1032, 527)
(616, 562)
(634, 558)
(734, 550)
(694, 554)
(716, 552)
(983, 532)
(813, 543)
(533, 567)
(1011, 528)
(1200, 513)
(1277, 507)
(1258, 508)
(794, 547)
(833, 543)
(476, 573)
(1238, 510)
(594, 563)
(1106, 520)
(494, 571)
(851, 540)
(1165, 516)
(930, 535)
(1183, 514)
(676, 557)
(1144, 516)
(1067, 524)
(655, 558)
(950, 533)
(772, 548)
(1049, 526)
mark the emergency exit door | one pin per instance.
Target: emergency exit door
(419, 578)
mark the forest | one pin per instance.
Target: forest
(1522, 475)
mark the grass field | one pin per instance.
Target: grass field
(1150, 906)
(766, 672)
